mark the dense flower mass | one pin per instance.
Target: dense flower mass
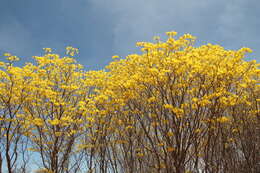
(173, 108)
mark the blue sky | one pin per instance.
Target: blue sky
(103, 28)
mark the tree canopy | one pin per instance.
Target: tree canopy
(172, 108)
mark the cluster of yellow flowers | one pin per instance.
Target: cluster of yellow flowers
(167, 95)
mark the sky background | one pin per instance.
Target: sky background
(103, 28)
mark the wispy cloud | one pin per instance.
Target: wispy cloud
(14, 37)
(220, 21)
(102, 28)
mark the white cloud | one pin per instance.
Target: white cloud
(139, 20)
(232, 18)
(211, 21)
(14, 37)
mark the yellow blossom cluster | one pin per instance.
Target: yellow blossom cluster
(172, 108)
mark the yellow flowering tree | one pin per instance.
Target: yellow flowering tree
(14, 89)
(174, 107)
(171, 109)
(54, 111)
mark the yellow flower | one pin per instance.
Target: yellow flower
(38, 121)
(58, 133)
(139, 154)
(195, 99)
(129, 127)
(168, 106)
(47, 50)
(170, 134)
(223, 119)
(12, 58)
(115, 57)
(170, 149)
(161, 144)
(7, 54)
(171, 33)
(54, 122)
